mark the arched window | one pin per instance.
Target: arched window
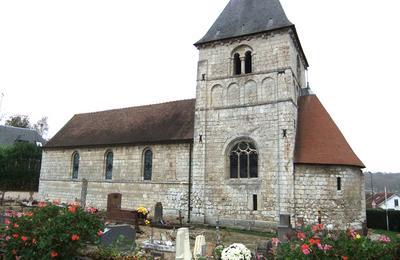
(109, 165)
(147, 164)
(75, 165)
(243, 160)
(237, 65)
(248, 62)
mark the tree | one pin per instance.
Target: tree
(18, 121)
(41, 126)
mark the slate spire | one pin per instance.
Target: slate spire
(245, 17)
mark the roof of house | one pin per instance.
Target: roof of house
(319, 140)
(245, 17)
(9, 135)
(379, 198)
(166, 122)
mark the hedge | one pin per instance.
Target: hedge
(376, 218)
(20, 167)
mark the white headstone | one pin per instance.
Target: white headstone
(198, 246)
(183, 245)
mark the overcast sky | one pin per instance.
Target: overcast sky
(59, 58)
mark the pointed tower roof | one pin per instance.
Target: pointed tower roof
(245, 17)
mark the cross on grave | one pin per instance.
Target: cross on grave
(218, 242)
(180, 218)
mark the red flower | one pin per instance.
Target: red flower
(29, 214)
(15, 235)
(42, 204)
(53, 253)
(345, 258)
(306, 250)
(301, 236)
(74, 237)
(16, 225)
(24, 238)
(100, 233)
(8, 238)
(57, 202)
(7, 221)
(72, 209)
(317, 227)
(314, 241)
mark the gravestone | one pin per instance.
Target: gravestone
(114, 201)
(199, 247)
(183, 245)
(84, 192)
(284, 227)
(158, 213)
(122, 236)
(263, 249)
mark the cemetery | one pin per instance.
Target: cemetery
(61, 230)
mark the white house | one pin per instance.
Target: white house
(378, 201)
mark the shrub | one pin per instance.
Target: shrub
(319, 243)
(50, 231)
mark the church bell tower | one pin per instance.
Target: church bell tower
(251, 70)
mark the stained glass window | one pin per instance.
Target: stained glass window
(75, 165)
(148, 165)
(243, 161)
(109, 165)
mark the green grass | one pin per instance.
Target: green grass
(251, 232)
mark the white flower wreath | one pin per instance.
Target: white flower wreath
(236, 251)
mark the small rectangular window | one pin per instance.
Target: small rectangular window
(254, 201)
(396, 203)
(339, 183)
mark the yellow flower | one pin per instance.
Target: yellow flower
(358, 236)
(147, 222)
(142, 210)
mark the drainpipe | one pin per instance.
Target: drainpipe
(190, 180)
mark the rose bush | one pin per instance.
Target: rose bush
(50, 231)
(318, 243)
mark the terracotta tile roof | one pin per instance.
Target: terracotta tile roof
(319, 140)
(379, 198)
(159, 123)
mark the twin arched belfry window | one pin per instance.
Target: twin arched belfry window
(237, 63)
(75, 165)
(243, 160)
(109, 157)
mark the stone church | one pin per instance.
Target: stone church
(254, 146)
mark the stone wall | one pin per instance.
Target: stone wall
(316, 190)
(257, 106)
(169, 184)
